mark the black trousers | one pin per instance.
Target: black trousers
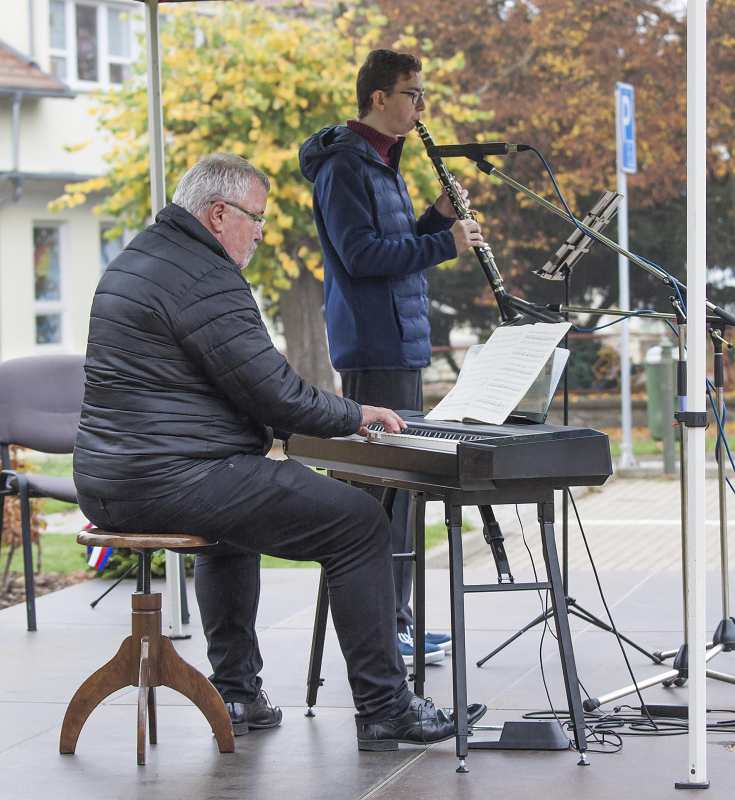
(396, 389)
(252, 505)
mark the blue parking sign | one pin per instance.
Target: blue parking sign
(625, 127)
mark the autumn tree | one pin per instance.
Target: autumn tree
(548, 69)
(258, 82)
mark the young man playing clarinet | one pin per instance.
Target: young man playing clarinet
(376, 254)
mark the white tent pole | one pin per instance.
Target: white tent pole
(158, 201)
(696, 383)
(155, 108)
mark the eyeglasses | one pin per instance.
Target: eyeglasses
(416, 97)
(254, 217)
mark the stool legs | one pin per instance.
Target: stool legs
(183, 678)
(146, 660)
(114, 675)
(152, 721)
(143, 690)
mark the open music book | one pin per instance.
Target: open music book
(517, 368)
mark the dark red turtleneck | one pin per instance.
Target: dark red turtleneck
(378, 140)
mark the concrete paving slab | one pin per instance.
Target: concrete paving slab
(646, 767)
(313, 759)
(21, 721)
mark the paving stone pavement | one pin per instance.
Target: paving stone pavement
(630, 523)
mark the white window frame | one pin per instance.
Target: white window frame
(62, 306)
(104, 59)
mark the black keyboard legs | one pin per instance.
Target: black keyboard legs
(419, 601)
(561, 620)
(459, 657)
(314, 679)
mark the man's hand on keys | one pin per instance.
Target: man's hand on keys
(387, 418)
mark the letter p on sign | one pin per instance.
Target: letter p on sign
(625, 127)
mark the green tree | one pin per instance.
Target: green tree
(258, 82)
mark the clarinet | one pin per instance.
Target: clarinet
(484, 254)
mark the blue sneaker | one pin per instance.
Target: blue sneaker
(432, 653)
(443, 640)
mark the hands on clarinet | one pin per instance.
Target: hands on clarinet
(467, 234)
(443, 204)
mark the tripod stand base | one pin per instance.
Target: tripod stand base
(725, 634)
(573, 607)
(527, 735)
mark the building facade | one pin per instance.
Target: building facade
(53, 55)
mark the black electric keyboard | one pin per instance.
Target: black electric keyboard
(469, 457)
(462, 465)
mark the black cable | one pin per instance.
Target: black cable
(547, 627)
(607, 609)
(616, 723)
(544, 611)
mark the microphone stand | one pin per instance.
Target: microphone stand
(657, 272)
(725, 637)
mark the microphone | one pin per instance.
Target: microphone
(475, 151)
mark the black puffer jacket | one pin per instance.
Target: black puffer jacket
(180, 371)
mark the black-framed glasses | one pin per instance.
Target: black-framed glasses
(254, 217)
(416, 97)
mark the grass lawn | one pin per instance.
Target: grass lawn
(647, 447)
(61, 553)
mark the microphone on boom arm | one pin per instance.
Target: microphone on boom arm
(475, 151)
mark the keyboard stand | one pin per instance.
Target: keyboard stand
(454, 500)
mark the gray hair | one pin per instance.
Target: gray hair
(219, 176)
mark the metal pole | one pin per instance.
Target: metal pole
(683, 481)
(173, 590)
(31, 34)
(696, 377)
(627, 459)
(668, 380)
(724, 551)
(155, 108)
(158, 201)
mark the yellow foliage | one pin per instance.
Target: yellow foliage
(262, 82)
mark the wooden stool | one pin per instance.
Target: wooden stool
(146, 659)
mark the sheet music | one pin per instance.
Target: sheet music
(501, 374)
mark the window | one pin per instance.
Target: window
(118, 41)
(91, 42)
(57, 23)
(109, 248)
(48, 274)
(87, 43)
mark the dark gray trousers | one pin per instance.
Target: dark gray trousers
(252, 505)
(397, 389)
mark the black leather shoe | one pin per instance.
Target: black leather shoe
(422, 723)
(258, 714)
(475, 712)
